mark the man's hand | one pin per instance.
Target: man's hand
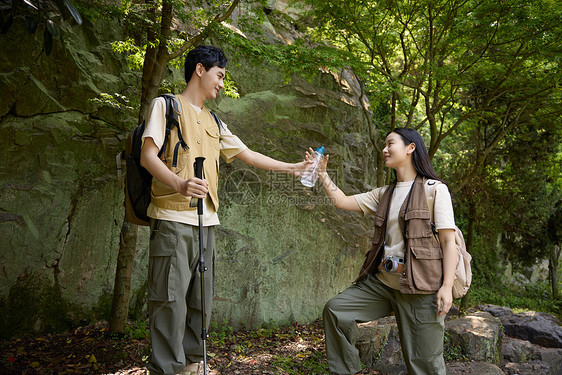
(299, 168)
(194, 187)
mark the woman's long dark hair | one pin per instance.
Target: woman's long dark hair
(420, 157)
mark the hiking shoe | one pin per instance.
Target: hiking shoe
(197, 369)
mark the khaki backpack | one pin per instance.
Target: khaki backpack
(463, 273)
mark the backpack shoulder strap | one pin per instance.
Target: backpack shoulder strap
(172, 113)
(217, 120)
(430, 192)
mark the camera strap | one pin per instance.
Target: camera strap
(405, 210)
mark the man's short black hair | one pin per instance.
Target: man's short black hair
(208, 56)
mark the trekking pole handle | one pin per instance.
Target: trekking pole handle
(198, 166)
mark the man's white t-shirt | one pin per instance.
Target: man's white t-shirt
(230, 146)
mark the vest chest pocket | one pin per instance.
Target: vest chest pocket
(178, 158)
(418, 224)
(214, 136)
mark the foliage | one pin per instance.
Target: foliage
(115, 101)
(445, 66)
(301, 57)
(533, 297)
(312, 364)
(137, 330)
(134, 53)
(453, 352)
(220, 334)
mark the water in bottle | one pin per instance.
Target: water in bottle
(311, 173)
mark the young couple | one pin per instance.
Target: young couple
(420, 296)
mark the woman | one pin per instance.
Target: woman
(409, 270)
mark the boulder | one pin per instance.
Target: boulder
(379, 346)
(528, 368)
(523, 357)
(473, 368)
(539, 328)
(479, 334)
(480, 337)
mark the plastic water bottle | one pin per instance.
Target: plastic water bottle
(311, 173)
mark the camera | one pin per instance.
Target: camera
(392, 264)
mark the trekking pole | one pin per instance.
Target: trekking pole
(198, 165)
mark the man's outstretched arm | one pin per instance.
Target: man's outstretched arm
(261, 161)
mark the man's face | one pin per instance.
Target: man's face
(212, 81)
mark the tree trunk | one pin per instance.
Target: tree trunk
(553, 270)
(122, 289)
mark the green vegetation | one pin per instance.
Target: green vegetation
(137, 330)
(453, 353)
(311, 364)
(535, 296)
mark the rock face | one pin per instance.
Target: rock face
(282, 249)
(60, 201)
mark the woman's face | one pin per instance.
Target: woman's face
(396, 153)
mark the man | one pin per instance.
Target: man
(174, 287)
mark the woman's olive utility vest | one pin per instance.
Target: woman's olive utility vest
(423, 268)
(202, 136)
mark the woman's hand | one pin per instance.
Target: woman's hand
(445, 293)
(309, 157)
(444, 300)
(338, 198)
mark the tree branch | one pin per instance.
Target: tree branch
(204, 33)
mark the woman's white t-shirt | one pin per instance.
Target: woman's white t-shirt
(442, 215)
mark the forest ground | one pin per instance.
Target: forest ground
(290, 350)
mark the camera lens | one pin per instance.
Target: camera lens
(388, 265)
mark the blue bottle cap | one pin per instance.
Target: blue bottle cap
(320, 150)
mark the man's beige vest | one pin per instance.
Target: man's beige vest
(423, 268)
(202, 135)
